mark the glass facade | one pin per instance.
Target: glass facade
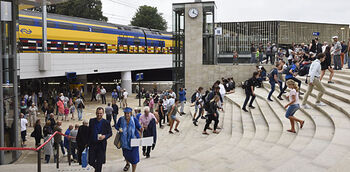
(9, 122)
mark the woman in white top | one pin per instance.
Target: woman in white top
(293, 105)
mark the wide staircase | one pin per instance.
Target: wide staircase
(252, 141)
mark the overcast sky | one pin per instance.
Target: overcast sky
(325, 11)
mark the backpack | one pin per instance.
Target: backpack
(206, 102)
(245, 84)
(81, 105)
(193, 97)
(286, 70)
(304, 70)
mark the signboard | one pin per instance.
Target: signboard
(139, 76)
(218, 31)
(316, 33)
(6, 12)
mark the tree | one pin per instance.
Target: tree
(90, 9)
(148, 17)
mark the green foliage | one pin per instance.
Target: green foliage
(148, 17)
(90, 9)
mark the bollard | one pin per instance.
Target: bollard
(69, 152)
(39, 160)
(57, 156)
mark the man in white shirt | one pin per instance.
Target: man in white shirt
(24, 123)
(222, 93)
(125, 97)
(103, 95)
(314, 80)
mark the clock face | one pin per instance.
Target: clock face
(193, 12)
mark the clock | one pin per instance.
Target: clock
(193, 12)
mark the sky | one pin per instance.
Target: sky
(323, 11)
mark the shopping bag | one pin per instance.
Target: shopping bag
(117, 141)
(84, 158)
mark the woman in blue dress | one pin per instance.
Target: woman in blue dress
(129, 128)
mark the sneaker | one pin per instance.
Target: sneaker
(202, 117)
(252, 107)
(244, 109)
(270, 100)
(330, 82)
(194, 123)
(170, 132)
(280, 98)
(65, 154)
(306, 106)
(320, 104)
(176, 130)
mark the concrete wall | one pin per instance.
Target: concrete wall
(86, 63)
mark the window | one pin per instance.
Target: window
(65, 26)
(83, 28)
(50, 24)
(97, 29)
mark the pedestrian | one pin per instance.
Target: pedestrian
(196, 101)
(93, 93)
(32, 111)
(172, 116)
(165, 109)
(125, 98)
(161, 113)
(82, 139)
(103, 95)
(109, 112)
(269, 53)
(222, 93)
(235, 58)
(66, 113)
(58, 139)
(314, 80)
(261, 52)
(80, 106)
(37, 133)
(60, 106)
(182, 98)
(151, 104)
(48, 148)
(172, 93)
(66, 137)
(52, 121)
(115, 95)
(293, 105)
(326, 65)
(72, 109)
(344, 50)
(73, 135)
(147, 128)
(249, 91)
(47, 130)
(100, 131)
(24, 123)
(129, 128)
(137, 113)
(45, 109)
(115, 111)
(253, 53)
(273, 79)
(336, 53)
(212, 116)
(98, 93)
(291, 74)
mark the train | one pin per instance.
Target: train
(66, 34)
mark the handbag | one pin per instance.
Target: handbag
(117, 141)
(84, 157)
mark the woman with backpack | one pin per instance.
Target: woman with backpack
(212, 115)
(273, 79)
(80, 106)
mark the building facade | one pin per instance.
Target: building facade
(238, 36)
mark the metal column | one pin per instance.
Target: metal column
(44, 26)
(2, 133)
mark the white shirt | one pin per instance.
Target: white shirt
(171, 102)
(296, 94)
(173, 95)
(315, 70)
(222, 90)
(24, 123)
(125, 94)
(103, 91)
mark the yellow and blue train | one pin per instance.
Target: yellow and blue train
(67, 34)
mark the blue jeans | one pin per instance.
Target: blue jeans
(337, 62)
(80, 113)
(261, 55)
(253, 58)
(273, 85)
(292, 109)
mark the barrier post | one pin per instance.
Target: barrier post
(57, 156)
(39, 160)
(69, 151)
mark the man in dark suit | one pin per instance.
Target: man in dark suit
(99, 131)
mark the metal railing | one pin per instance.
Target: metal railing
(38, 150)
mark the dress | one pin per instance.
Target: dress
(131, 154)
(326, 62)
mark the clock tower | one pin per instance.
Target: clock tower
(194, 41)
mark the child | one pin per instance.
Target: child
(293, 105)
(72, 109)
(66, 112)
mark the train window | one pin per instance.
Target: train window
(83, 28)
(26, 21)
(50, 24)
(97, 29)
(65, 26)
(137, 41)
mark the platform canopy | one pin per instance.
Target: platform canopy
(24, 4)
